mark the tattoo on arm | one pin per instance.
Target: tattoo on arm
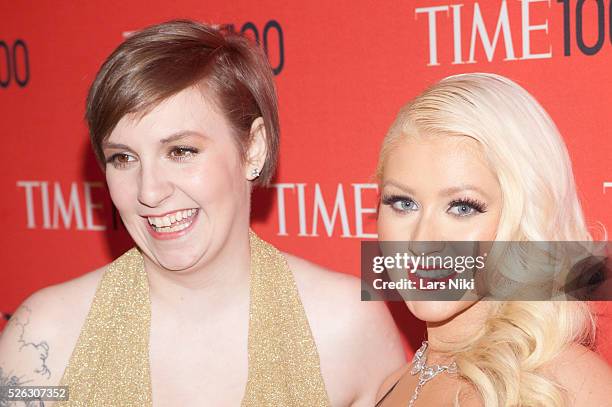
(9, 379)
(42, 348)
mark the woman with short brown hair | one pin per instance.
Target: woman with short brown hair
(183, 120)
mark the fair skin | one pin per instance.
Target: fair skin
(442, 188)
(182, 156)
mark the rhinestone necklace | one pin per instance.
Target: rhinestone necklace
(426, 373)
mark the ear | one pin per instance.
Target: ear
(257, 151)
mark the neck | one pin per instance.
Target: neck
(443, 337)
(222, 278)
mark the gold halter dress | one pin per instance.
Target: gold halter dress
(110, 363)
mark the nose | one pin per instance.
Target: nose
(426, 237)
(154, 187)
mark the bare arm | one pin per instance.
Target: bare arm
(586, 376)
(381, 353)
(24, 354)
(37, 342)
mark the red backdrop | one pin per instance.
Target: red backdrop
(343, 69)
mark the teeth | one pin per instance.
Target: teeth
(436, 274)
(173, 228)
(165, 223)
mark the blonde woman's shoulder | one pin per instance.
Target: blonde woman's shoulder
(358, 342)
(391, 381)
(37, 342)
(586, 376)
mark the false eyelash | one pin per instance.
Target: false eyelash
(391, 199)
(477, 205)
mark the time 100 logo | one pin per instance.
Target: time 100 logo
(270, 37)
(579, 10)
(14, 63)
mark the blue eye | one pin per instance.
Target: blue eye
(461, 210)
(466, 207)
(400, 203)
(404, 205)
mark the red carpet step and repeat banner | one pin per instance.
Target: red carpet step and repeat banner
(343, 69)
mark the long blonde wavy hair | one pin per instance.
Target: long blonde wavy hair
(504, 361)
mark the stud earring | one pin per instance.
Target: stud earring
(255, 173)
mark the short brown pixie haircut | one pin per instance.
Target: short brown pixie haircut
(164, 59)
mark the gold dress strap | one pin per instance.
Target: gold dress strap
(110, 363)
(283, 360)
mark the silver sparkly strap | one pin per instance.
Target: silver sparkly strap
(426, 373)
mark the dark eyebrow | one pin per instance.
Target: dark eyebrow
(180, 135)
(173, 137)
(117, 146)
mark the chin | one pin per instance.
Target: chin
(177, 263)
(179, 254)
(178, 257)
(437, 311)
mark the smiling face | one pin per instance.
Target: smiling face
(438, 188)
(177, 180)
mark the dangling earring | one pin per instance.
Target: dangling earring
(255, 173)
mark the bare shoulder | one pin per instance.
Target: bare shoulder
(38, 340)
(322, 290)
(391, 380)
(585, 374)
(358, 341)
(312, 277)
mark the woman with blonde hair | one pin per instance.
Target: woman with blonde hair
(476, 158)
